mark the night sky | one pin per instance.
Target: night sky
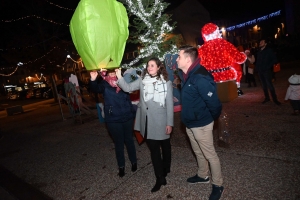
(44, 35)
(237, 10)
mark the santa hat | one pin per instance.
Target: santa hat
(209, 28)
(294, 79)
(210, 31)
(247, 50)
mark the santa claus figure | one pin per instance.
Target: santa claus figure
(220, 57)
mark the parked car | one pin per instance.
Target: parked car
(8, 94)
(31, 93)
(40, 91)
(17, 93)
(60, 90)
(48, 94)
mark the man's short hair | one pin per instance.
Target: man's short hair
(191, 51)
(265, 39)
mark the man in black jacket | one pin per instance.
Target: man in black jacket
(264, 66)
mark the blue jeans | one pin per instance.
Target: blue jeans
(123, 133)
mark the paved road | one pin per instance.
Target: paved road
(5, 103)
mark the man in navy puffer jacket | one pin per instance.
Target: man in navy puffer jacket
(200, 107)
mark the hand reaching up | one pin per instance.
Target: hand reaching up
(118, 73)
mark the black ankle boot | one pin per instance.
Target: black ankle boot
(159, 182)
(121, 171)
(133, 167)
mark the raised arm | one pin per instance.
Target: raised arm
(127, 87)
(94, 86)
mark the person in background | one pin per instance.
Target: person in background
(249, 68)
(200, 107)
(264, 66)
(293, 93)
(119, 117)
(155, 115)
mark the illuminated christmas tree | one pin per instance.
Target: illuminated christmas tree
(151, 30)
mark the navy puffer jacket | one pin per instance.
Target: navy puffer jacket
(117, 106)
(199, 98)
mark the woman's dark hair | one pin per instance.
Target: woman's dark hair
(110, 71)
(162, 70)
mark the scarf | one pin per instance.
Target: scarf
(195, 63)
(155, 89)
(112, 82)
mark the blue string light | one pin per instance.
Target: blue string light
(254, 21)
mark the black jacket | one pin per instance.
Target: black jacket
(265, 60)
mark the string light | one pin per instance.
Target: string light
(254, 21)
(26, 63)
(11, 72)
(138, 11)
(34, 16)
(60, 6)
(80, 61)
(27, 47)
(151, 45)
(39, 78)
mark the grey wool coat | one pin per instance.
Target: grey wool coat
(158, 117)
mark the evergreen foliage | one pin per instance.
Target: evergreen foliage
(150, 30)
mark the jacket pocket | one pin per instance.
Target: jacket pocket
(108, 110)
(191, 114)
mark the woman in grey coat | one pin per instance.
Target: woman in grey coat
(155, 115)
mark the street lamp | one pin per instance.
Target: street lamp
(223, 32)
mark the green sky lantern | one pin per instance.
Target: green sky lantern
(99, 30)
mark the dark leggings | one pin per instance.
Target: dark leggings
(295, 104)
(160, 154)
(161, 159)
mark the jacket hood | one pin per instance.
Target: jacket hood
(294, 79)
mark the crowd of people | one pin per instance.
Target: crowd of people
(154, 115)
